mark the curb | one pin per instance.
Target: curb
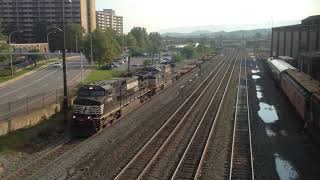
(28, 73)
(24, 75)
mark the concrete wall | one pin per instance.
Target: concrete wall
(28, 120)
(295, 47)
(288, 43)
(274, 43)
(318, 40)
(304, 40)
(312, 40)
(281, 43)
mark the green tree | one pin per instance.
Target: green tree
(132, 43)
(189, 52)
(155, 41)
(141, 36)
(35, 57)
(3, 46)
(105, 47)
(74, 35)
(178, 58)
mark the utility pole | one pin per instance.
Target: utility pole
(76, 43)
(9, 41)
(64, 64)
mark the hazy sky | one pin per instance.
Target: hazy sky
(157, 15)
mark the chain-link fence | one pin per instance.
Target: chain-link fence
(29, 104)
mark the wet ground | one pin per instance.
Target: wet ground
(281, 149)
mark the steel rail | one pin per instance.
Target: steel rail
(131, 162)
(205, 151)
(161, 149)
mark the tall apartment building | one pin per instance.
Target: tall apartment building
(26, 14)
(108, 19)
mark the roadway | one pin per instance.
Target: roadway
(43, 81)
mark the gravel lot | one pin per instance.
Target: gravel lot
(101, 156)
(281, 150)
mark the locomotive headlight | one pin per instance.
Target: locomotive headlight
(89, 117)
(73, 117)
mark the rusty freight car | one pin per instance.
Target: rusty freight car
(299, 88)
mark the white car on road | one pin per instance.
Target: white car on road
(57, 64)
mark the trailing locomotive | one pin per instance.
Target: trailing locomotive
(302, 91)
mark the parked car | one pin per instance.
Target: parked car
(137, 65)
(115, 64)
(107, 67)
(120, 61)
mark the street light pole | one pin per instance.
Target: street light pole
(10, 48)
(48, 39)
(76, 43)
(54, 31)
(65, 85)
(10, 54)
(91, 48)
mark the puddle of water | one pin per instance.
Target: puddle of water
(255, 71)
(258, 88)
(267, 113)
(283, 133)
(255, 77)
(259, 95)
(270, 133)
(284, 169)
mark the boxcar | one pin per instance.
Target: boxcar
(276, 67)
(315, 110)
(292, 85)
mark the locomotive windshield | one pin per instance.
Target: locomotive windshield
(91, 93)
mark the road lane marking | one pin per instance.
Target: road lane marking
(30, 83)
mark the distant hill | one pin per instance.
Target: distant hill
(230, 35)
(207, 30)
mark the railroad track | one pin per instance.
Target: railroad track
(43, 161)
(241, 162)
(188, 167)
(138, 166)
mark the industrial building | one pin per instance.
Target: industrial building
(108, 19)
(26, 14)
(300, 42)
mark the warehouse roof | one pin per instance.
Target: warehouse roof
(310, 84)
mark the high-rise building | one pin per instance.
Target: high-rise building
(25, 15)
(108, 19)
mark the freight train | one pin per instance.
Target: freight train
(302, 91)
(99, 105)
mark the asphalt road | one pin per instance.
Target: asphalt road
(45, 80)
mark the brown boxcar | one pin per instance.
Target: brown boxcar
(295, 92)
(315, 110)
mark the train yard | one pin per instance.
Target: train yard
(206, 125)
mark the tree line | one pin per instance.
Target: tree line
(107, 44)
